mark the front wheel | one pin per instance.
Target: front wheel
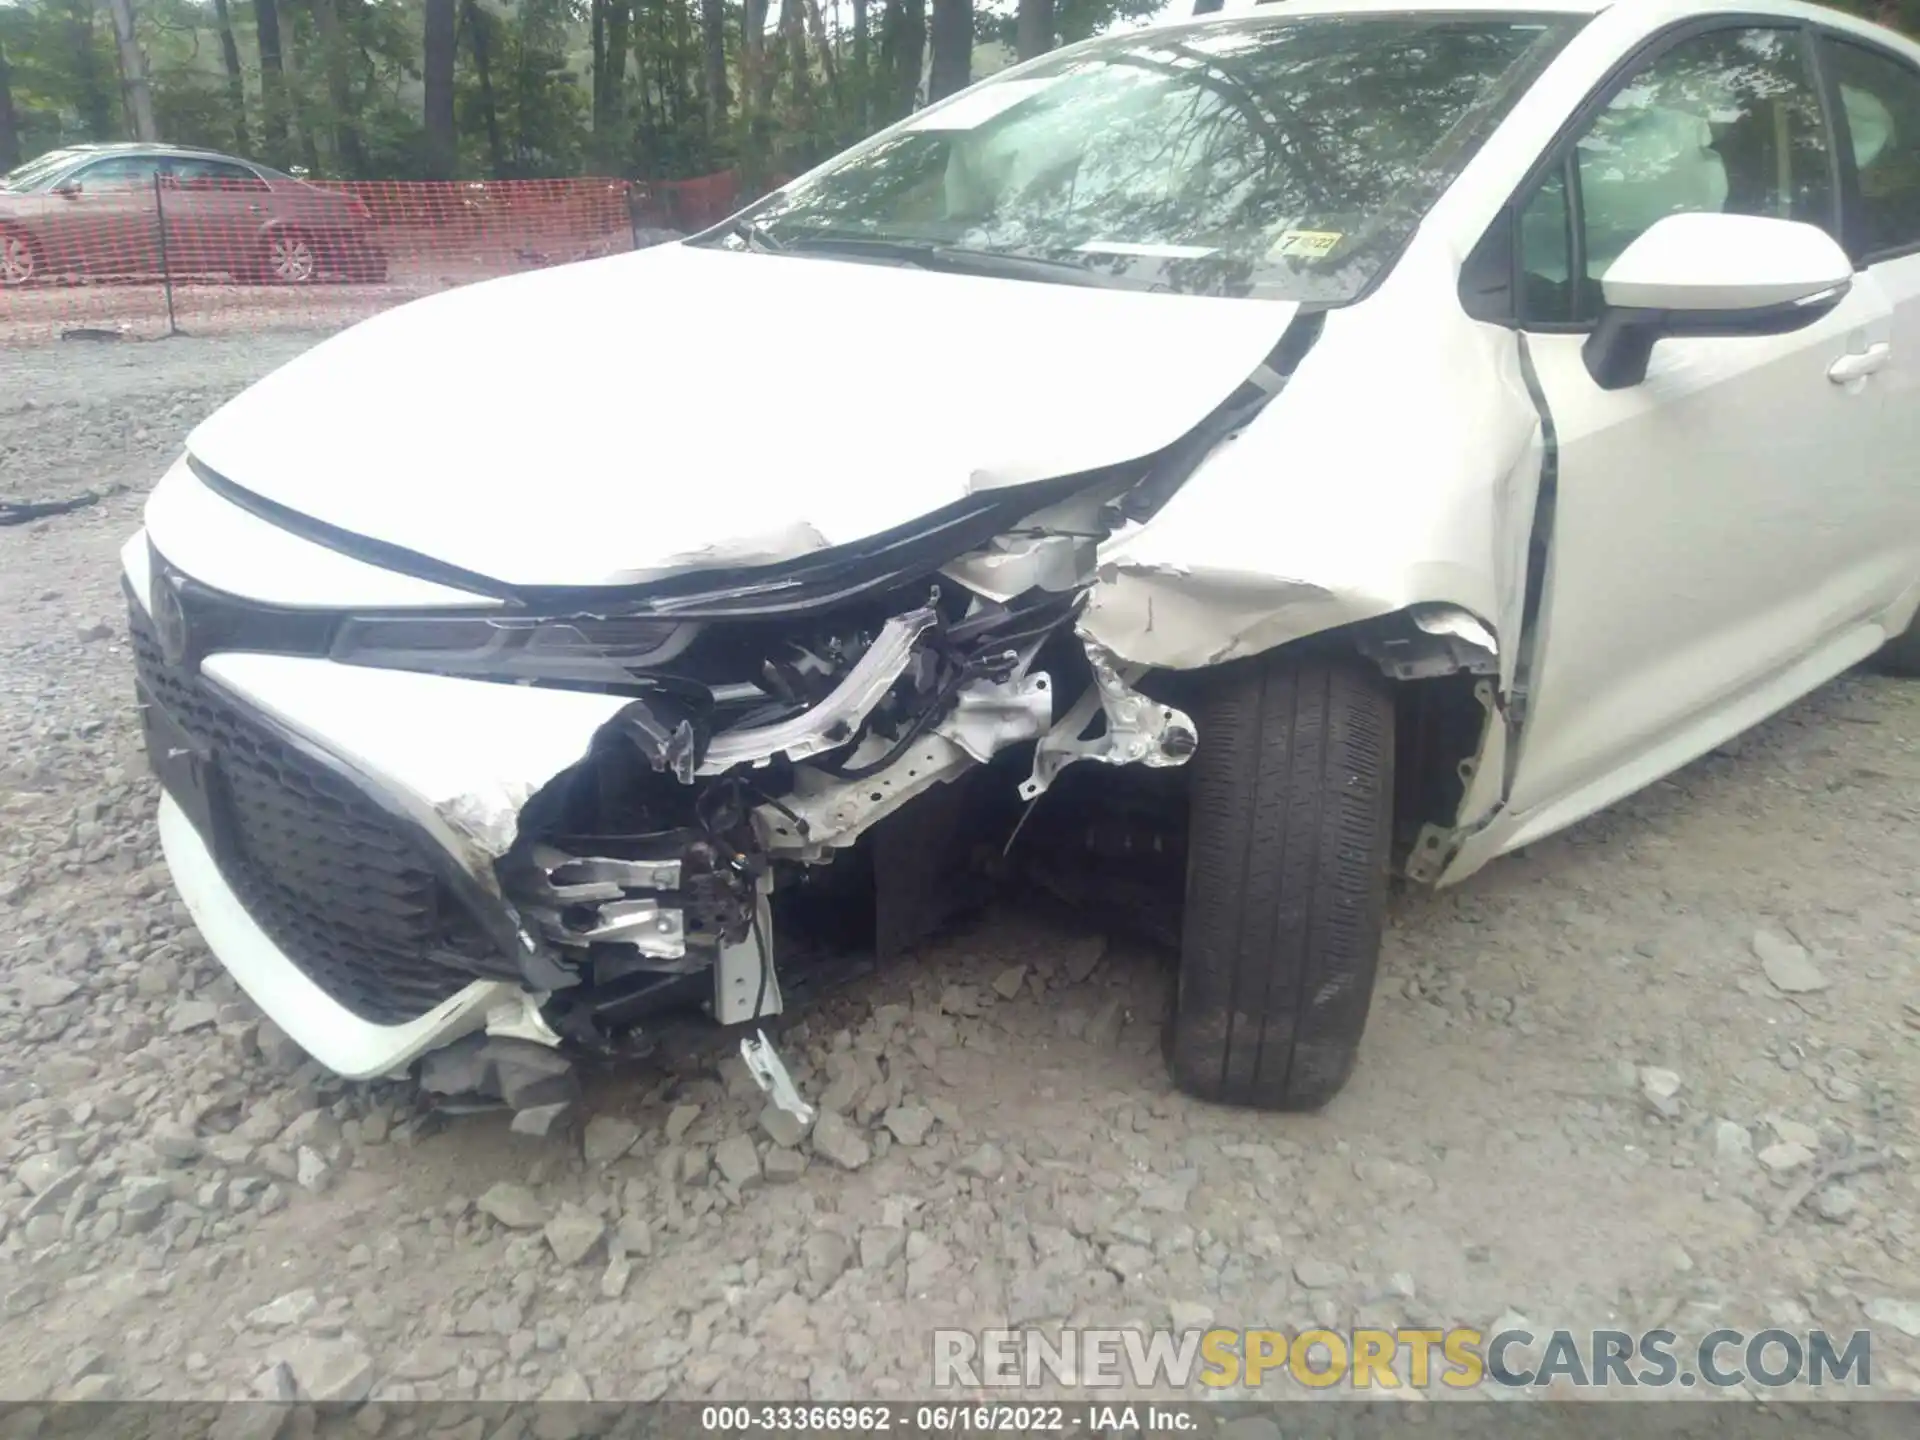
(1288, 843)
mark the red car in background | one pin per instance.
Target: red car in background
(98, 210)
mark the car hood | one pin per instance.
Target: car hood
(682, 408)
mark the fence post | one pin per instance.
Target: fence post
(166, 266)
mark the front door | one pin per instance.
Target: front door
(1715, 524)
(105, 217)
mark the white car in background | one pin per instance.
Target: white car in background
(1211, 467)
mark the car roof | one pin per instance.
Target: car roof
(1244, 8)
(1651, 14)
(137, 147)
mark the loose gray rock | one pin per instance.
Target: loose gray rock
(40, 1173)
(313, 1173)
(607, 1138)
(1103, 1029)
(613, 1281)
(330, 1373)
(573, 1233)
(191, 1015)
(881, 1245)
(1732, 1145)
(1319, 1274)
(782, 1127)
(144, 1195)
(736, 1159)
(784, 1165)
(838, 1141)
(1657, 1083)
(283, 1312)
(539, 1121)
(1784, 1155)
(514, 1206)
(1787, 965)
(679, 1120)
(41, 991)
(1082, 956)
(961, 1000)
(909, 1124)
(987, 1162)
(827, 1255)
(1903, 1315)
(1008, 982)
(1835, 1204)
(633, 1236)
(933, 1261)
(54, 1193)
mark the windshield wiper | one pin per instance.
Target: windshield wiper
(755, 235)
(953, 259)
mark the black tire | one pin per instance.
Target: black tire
(1901, 655)
(1288, 842)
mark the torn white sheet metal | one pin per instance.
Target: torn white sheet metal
(1011, 565)
(646, 925)
(1063, 380)
(1138, 730)
(832, 722)
(823, 813)
(769, 1072)
(584, 879)
(1444, 640)
(746, 979)
(463, 756)
(987, 717)
(518, 1017)
(1339, 502)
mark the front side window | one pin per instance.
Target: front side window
(36, 172)
(123, 172)
(1269, 157)
(1881, 98)
(1728, 122)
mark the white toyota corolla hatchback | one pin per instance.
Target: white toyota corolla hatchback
(1204, 470)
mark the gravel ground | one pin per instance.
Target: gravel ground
(1583, 1099)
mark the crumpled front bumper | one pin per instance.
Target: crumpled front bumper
(336, 1037)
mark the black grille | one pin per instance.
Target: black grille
(341, 887)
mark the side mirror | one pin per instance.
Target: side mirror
(67, 189)
(1708, 274)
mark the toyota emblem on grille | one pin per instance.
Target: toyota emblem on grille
(169, 618)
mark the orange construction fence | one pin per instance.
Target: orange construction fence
(205, 247)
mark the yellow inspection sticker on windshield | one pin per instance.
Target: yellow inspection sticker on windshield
(1307, 244)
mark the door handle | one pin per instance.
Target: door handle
(256, 209)
(1861, 364)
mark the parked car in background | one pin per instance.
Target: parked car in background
(98, 210)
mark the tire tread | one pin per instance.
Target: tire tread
(1286, 883)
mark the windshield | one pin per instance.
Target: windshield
(25, 177)
(1282, 158)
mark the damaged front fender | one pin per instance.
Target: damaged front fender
(1397, 467)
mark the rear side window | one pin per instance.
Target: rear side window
(1880, 98)
(1727, 122)
(195, 174)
